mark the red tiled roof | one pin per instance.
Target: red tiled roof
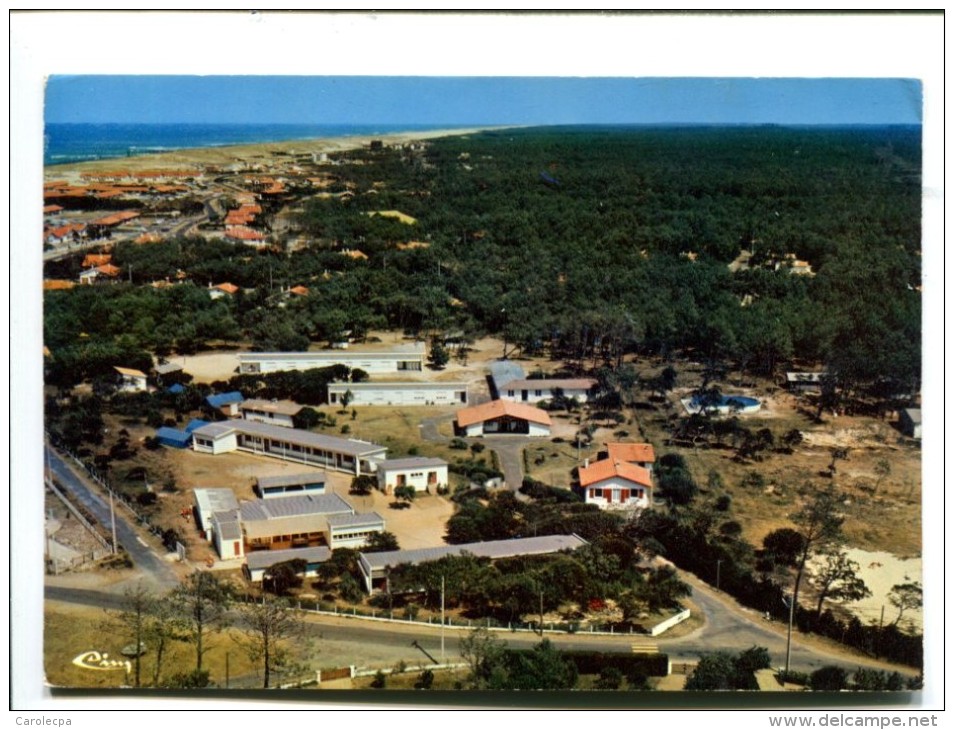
(54, 284)
(116, 218)
(52, 209)
(227, 287)
(97, 259)
(609, 468)
(108, 270)
(301, 291)
(642, 453)
(499, 409)
(243, 234)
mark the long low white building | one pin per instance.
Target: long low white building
(533, 390)
(374, 566)
(403, 358)
(291, 444)
(398, 394)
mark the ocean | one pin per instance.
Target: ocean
(66, 143)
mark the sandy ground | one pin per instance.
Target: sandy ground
(880, 571)
(190, 158)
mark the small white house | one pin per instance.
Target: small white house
(398, 394)
(503, 417)
(131, 381)
(215, 438)
(535, 390)
(422, 473)
(611, 484)
(275, 412)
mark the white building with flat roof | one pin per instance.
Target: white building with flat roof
(400, 359)
(423, 473)
(398, 394)
(291, 444)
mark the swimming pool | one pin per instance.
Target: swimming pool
(726, 404)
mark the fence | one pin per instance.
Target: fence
(103, 481)
(107, 544)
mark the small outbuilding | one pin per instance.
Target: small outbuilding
(174, 437)
(423, 473)
(910, 422)
(131, 380)
(225, 403)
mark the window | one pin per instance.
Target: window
(596, 493)
(538, 393)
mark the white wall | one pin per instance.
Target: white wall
(617, 485)
(417, 478)
(275, 419)
(385, 396)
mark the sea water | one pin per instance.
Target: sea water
(66, 143)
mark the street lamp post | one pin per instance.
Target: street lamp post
(788, 642)
(718, 572)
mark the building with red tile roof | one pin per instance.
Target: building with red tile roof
(97, 259)
(241, 233)
(640, 454)
(503, 417)
(614, 484)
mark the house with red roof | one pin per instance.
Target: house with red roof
(639, 454)
(615, 484)
(503, 417)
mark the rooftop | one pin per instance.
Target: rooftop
(305, 504)
(504, 371)
(288, 480)
(263, 559)
(348, 447)
(223, 399)
(643, 453)
(413, 462)
(362, 519)
(283, 407)
(499, 409)
(215, 499)
(551, 384)
(609, 468)
(494, 550)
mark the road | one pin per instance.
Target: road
(155, 569)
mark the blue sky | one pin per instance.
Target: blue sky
(480, 100)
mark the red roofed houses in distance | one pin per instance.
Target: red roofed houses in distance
(503, 417)
(614, 484)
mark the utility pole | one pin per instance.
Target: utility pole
(718, 572)
(442, 619)
(541, 612)
(112, 518)
(788, 643)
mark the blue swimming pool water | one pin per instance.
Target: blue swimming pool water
(726, 401)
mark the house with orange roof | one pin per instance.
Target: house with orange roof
(299, 291)
(354, 254)
(220, 290)
(57, 284)
(615, 484)
(130, 380)
(639, 454)
(241, 233)
(52, 209)
(97, 259)
(503, 417)
(148, 238)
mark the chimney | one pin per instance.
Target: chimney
(586, 463)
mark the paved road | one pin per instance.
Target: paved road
(154, 567)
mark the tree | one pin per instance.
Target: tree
(722, 671)
(906, 597)
(164, 627)
(280, 577)
(662, 589)
(828, 679)
(406, 493)
(784, 545)
(438, 357)
(837, 454)
(819, 524)
(306, 419)
(203, 601)
(268, 625)
(882, 469)
(381, 542)
(133, 616)
(483, 653)
(362, 485)
(346, 399)
(541, 668)
(837, 579)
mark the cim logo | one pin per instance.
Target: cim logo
(101, 662)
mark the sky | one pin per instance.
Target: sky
(435, 100)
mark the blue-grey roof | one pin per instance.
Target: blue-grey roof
(263, 559)
(176, 388)
(194, 424)
(173, 436)
(223, 399)
(305, 504)
(348, 447)
(290, 480)
(227, 525)
(494, 550)
(361, 519)
(215, 499)
(412, 462)
(503, 371)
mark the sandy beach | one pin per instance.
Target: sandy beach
(254, 153)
